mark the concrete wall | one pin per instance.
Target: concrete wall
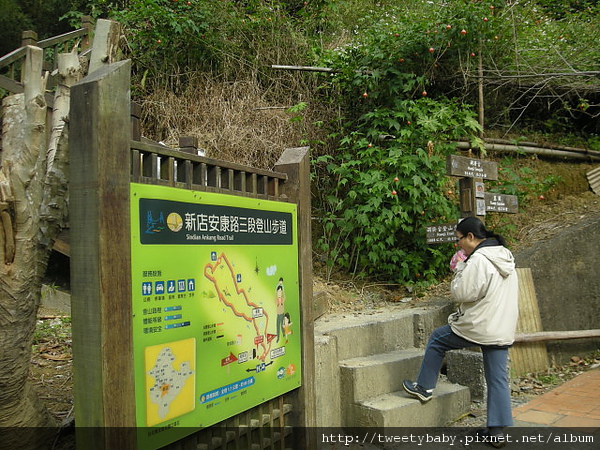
(566, 272)
(55, 301)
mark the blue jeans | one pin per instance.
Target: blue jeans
(495, 359)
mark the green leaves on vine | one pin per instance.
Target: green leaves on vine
(382, 194)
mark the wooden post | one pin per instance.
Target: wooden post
(29, 38)
(87, 22)
(188, 144)
(473, 172)
(136, 115)
(33, 81)
(481, 98)
(296, 163)
(100, 133)
(470, 204)
(106, 44)
(528, 356)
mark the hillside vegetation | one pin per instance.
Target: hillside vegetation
(422, 74)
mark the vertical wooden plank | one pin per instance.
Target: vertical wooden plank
(136, 115)
(295, 162)
(135, 166)
(229, 180)
(235, 423)
(154, 167)
(88, 23)
(271, 424)
(188, 173)
(281, 423)
(32, 73)
(213, 176)
(167, 170)
(203, 174)
(149, 165)
(528, 356)
(264, 185)
(100, 132)
(217, 180)
(261, 428)
(239, 183)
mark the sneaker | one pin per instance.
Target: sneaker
(417, 391)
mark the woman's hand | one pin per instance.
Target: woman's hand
(458, 256)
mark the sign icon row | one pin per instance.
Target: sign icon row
(168, 287)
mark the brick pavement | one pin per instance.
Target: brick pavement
(574, 404)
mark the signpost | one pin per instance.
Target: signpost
(474, 201)
(441, 233)
(461, 166)
(501, 203)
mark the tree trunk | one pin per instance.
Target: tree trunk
(33, 207)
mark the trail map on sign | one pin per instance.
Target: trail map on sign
(224, 279)
(216, 308)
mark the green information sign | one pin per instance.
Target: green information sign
(215, 307)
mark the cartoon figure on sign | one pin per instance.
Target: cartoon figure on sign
(280, 307)
(287, 326)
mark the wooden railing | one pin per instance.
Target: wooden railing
(11, 65)
(155, 164)
(183, 167)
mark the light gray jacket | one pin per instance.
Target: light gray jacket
(486, 288)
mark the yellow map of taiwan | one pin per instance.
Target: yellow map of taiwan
(169, 382)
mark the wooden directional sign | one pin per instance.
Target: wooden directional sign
(501, 203)
(461, 166)
(441, 233)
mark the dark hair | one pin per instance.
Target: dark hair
(476, 226)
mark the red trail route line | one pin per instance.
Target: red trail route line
(239, 291)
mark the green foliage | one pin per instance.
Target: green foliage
(164, 35)
(428, 42)
(382, 195)
(594, 142)
(171, 40)
(12, 22)
(45, 16)
(559, 9)
(408, 69)
(522, 181)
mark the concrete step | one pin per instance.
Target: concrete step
(398, 409)
(360, 358)
(370, 376)
(362, 335)
(380, 332)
